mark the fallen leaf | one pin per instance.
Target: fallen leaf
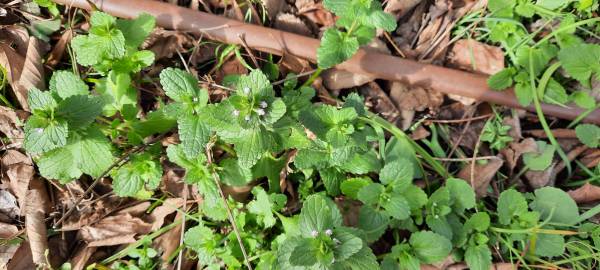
(166, 44)
(168, 242)
(35, 224)
(59, 48)
(414, 98)
(9, 126)
(6, 253)
(17, 35)
(400, 7)
(483, 174)
(114, 230)
(315, 13)
(8, 231)
(291, 23)
(514, 151)
(80, 260)
(19, 170)
(8, 204)
(273, 7)
(472, 55)
(379, 102)
(538, 179)
(585, 194)
(23, 71)
(21, 258)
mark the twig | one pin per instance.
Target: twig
(179, 257)
(245, 45)
(391, 41)
(122, 160)
(458, 121)
(294, 77)
(474, 158)
(224, 199)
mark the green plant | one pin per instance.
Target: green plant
(588, 134)
(496, 133)
(266, 139)
(356, 26)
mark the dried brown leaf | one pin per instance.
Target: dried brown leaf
(19, 171)
(414, 98)
(35, 225)
(483, 174)
(9, 126)
(168, 242)
(400, 7)
(80, 260)
(538, 179)
(114, 230)
(379, 101)
(24, 71)
(291, 23)
(59, 48)
(586, 193)
(514, 151)
(8, 204)
(472, 55)
(8, 231)
(21, 258)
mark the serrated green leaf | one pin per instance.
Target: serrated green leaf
(179, 85)
(478, 257)
(306, 253)
(261, 206)
(92, 150)
(349, 244)
(511, 204)
(540, 56)
(203, 241)
(318, 215)
(398, 171)
(375, 17)
(331, 178)
(430, 247)
(461, 193)
(140, 173)
(370, 194)
(350, 187)
(583, 99)
(581, 61)
(336, 47)
(397, 207)
(42, 135)
(588, 134)
(232, 174)
(194, 134)
(65, 84)
(59, 164)
(136, 30)
(549, 245)
(555, 203)
(80, 110)
(479, 221)
(541, 159)
(40, 100)
(502, 79)
(373, 223)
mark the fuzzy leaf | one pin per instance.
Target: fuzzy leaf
(336, 47)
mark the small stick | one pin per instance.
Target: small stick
(391, 41)
(245, 45)
(229, 213)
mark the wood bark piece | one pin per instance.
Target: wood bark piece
(274, 41)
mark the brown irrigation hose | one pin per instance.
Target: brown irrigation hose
(378, 65)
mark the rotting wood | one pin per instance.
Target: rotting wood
(278, 42)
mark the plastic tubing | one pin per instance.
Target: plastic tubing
(378, 65)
